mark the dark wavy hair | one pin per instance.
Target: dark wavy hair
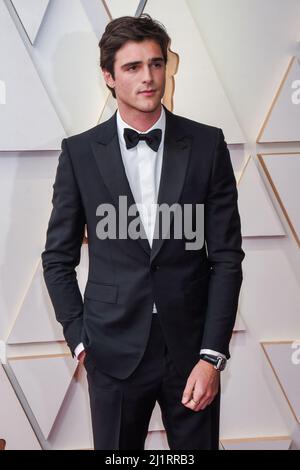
(130, 28)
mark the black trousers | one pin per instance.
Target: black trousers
(121, 409)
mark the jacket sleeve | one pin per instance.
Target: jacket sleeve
(222, 232)
(63, 248)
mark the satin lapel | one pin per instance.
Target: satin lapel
(175, 162)
(108, 157)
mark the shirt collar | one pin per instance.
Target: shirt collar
(159, 124)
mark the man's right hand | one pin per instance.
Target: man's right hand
(81, 357)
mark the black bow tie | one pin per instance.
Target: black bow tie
(152, 138)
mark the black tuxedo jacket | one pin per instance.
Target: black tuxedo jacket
(195, 291)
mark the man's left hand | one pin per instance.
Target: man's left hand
(201, 387)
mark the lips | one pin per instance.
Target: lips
(147, 92)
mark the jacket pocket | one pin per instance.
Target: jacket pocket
(101, 292)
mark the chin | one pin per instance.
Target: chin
(150, 106)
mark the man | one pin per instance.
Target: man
(157, 318)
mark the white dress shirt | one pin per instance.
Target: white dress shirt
(143, 170)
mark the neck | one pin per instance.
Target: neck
(140, 120)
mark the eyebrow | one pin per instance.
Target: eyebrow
(137, 62)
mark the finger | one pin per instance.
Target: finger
(192, 404)
(198, 394)
(187, 393)
(205, 402)
(204, 399)
(201, 407)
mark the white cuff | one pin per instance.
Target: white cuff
(212, 352)
(78, 349)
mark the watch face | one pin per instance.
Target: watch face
(221, 363)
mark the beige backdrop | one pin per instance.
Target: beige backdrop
(236, 67)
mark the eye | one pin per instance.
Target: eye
(132, 67)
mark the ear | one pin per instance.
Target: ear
(108, 78)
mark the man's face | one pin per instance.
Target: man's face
(139, 68)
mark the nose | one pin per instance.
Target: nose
(147, 74)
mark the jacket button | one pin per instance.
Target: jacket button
(155, 267)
